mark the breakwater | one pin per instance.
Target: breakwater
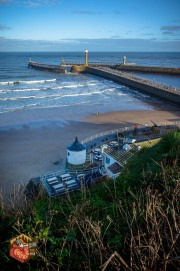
(143, 85)
(148, 69)
(47, 67)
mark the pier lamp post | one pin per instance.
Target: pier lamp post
(86, 58)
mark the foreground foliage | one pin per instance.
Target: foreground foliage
(132, 223)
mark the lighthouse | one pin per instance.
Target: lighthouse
(76, 153)
(86, 58)
(124, 60)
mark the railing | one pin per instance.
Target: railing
(165, 126)
(46, 66)
(121, 155)
(139, 79)
(173, 125)
(71, 63)
(70, 171)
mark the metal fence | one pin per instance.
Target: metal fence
(164, 128)
(94, 64)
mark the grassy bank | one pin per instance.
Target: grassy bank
(132, 223)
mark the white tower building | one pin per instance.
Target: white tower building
(86, 58)
(124, 60)
(76, 153)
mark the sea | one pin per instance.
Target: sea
(86, 93)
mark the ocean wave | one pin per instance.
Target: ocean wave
(54, 96)
(40, 88)
(82, 94)
(27, 82)
(39, 106)
(29, 97)
(19, 90)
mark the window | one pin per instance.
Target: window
(107, 160)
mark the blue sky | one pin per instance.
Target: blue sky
(99, 25)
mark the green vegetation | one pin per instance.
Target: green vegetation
(132, 223)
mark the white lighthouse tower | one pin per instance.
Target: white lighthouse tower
(124, 60)
(86, 58)
(76, 153)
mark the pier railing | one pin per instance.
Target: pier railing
(42, 65)
(137, 79)
(93, 64)
(70, 171)
(164, 127)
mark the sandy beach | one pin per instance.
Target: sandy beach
(31, 141)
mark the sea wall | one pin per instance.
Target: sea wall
(146, 86)
(127, 67)
(46, 67)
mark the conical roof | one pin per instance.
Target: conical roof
(76, 146)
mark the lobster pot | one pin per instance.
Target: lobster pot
(76, 153)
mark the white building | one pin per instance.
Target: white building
(114, 160)
(129, 139)
(76, 153)
(112, 167)
(126, 147)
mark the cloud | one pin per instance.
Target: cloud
(4, 27)
(117, 12)
(175, 21)
(147, 34)
(115, 37)
(170, 30)
(30, 3)
(82, 12)
(4, 1)
(169, 33)
(144, 27)
(116, 44)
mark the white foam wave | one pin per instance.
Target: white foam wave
(25, 90)
(41, 88)
(72, 86)
(27, 97)
(20, 90)
(80, 94)
(93, 84)
(55, 96)
(27, 82)
(77, 85)
(17, 98)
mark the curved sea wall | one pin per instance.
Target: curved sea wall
(148, 69)
(146, 86)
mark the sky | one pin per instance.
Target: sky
(98, 25)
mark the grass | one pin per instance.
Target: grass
(132, 223)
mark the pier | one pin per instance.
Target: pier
(46, 67)
(117, 72)
(124, 66)
(165, 92)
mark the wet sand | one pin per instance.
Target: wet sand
(30, 142)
